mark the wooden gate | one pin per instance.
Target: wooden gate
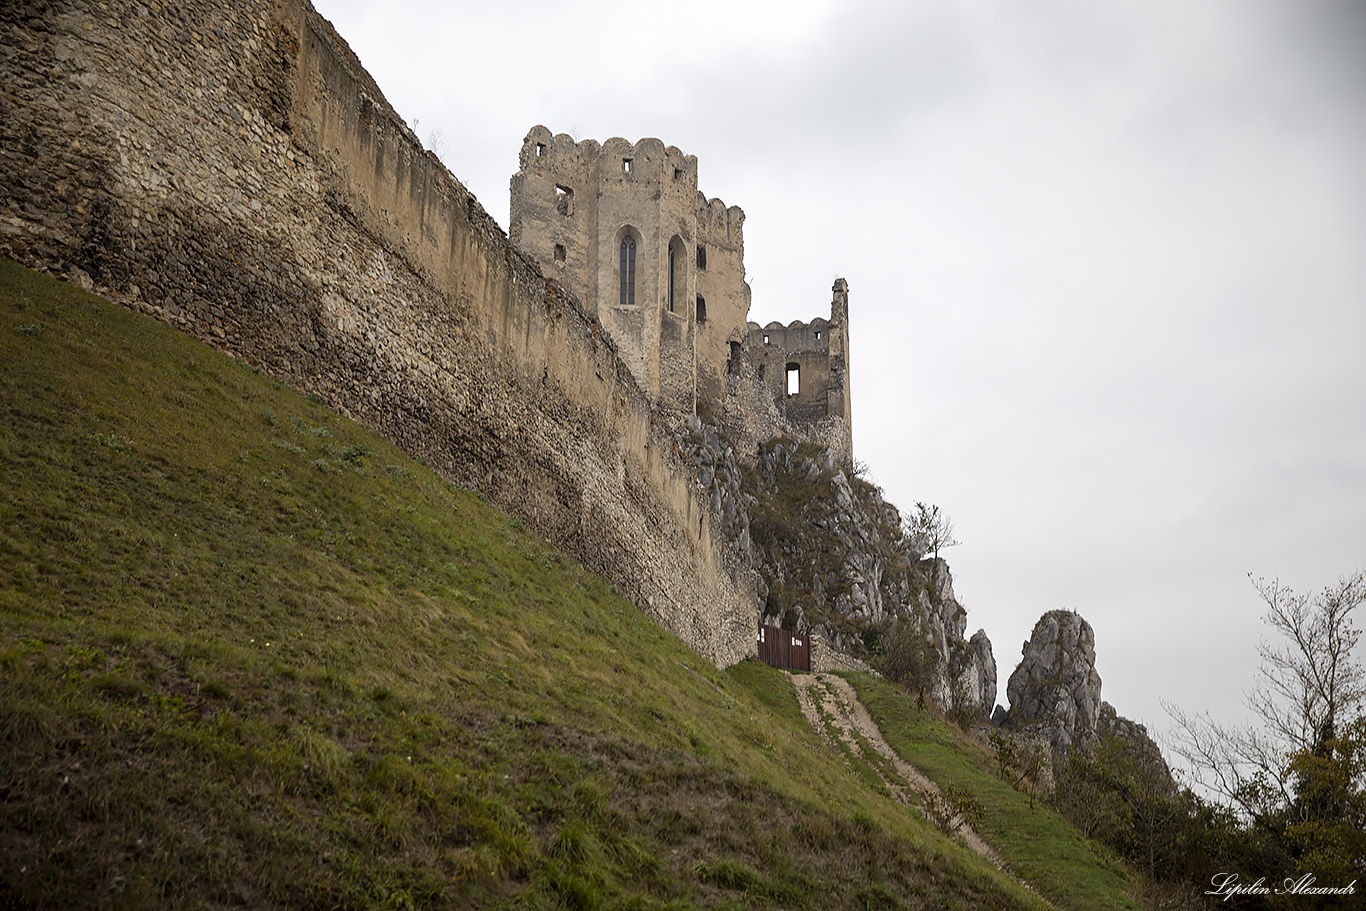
(779, 648)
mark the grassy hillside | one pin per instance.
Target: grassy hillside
(252, 655)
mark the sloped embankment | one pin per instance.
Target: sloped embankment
(830, 705)
(251, 655)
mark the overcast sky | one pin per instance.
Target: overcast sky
(1107, 267)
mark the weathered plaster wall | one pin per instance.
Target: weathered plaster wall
(233, 170)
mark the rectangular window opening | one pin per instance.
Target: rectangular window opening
(540, 149)
(559, 253)
(626, 165)
(794, 379)
(765, 339)
(701, 257)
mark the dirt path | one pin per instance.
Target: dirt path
(830, 701)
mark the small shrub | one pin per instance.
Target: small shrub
(905, 654)
(953, 807)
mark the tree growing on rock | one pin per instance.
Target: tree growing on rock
(930, 530)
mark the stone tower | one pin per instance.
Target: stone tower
(623, 227)
(805, 368)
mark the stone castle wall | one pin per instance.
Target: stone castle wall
(233, 170)
(758, 406)
(572, 205)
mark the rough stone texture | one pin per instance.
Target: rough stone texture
(573, 205)
(825, 659)
(233, 170)
(969, 678)
(705, 447)
(833, 561)
(757, 408)
(683, 329)
(1056, 689)
(816, 357)
(1134, 736)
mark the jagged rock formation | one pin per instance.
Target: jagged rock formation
(1055, 693)
(1055, 690)
(1134, 736)
(834, 561)
(970, 667)
(713, 458)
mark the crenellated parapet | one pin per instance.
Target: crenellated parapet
(804, 368)
(624, 226)
(720, 224)
(645, 162)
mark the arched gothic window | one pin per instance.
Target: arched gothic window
(628, 271)
(677, 275)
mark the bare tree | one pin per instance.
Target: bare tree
(930, 529)
(1309, 685)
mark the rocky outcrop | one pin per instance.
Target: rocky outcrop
(706, 449)
(969, 676)
(1134, 736)
(1055, 699)
(834, 561)
(1055, 690)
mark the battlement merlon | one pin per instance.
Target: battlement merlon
(646, 161)
(718, 224)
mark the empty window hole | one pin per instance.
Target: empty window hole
(794, 379)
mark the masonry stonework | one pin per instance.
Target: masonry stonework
(625, 229)
(234, 171)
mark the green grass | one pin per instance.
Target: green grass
(1038, 844)
(252, 655)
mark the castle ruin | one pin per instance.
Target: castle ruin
(624, 228)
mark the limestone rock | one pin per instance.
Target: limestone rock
(833, 561)
(1137, 743)
(1056, 687)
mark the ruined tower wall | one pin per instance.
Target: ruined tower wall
(721, 285)
(572, 204)
(234, 171)
(819, 410)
